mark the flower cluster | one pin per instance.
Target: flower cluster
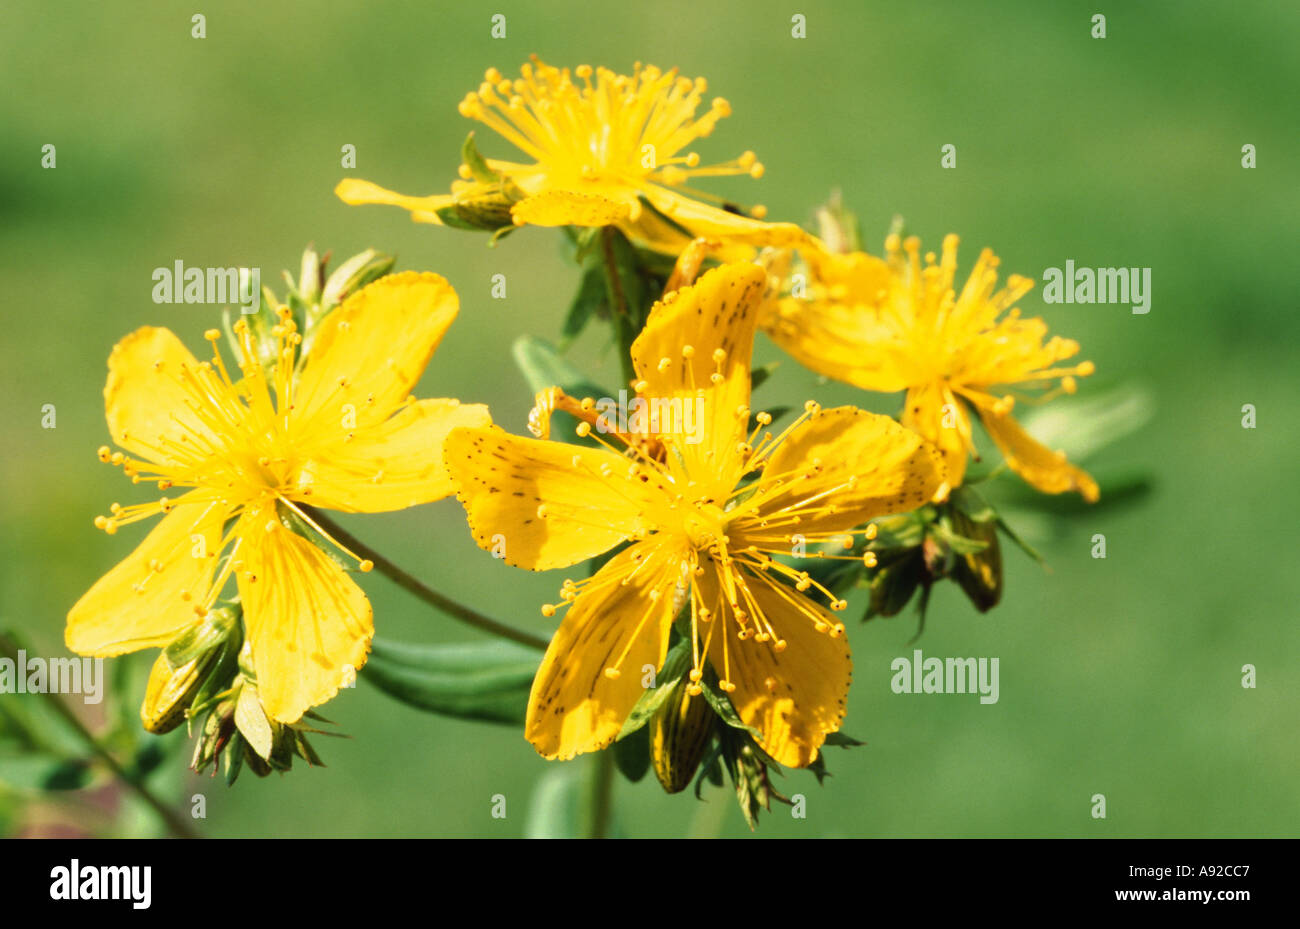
(708, 627)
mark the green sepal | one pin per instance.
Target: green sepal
(722, 705)
(673, 670)
(476, 163)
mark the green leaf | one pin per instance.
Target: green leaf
(543, 366)
(487, 681)
(632, 755)
(69, 775)
(1082, 426)
(590, 300)
(40, 771)
(1118, 489)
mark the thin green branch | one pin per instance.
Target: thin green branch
(625, 328)
(178, 825)
(423, 591)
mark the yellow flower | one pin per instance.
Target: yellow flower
(895, 324)
(600, 145)
(235, 456)
(705, 538)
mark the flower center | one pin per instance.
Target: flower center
(704, 525)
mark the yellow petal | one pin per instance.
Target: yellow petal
(623, 618)
(840, 468)
(831, 325)
(308, 623)
(700, 219)
(1041, 467)
(549, 504)
(354, 191)
(391, 466)
(794, 697)
(369, 353)
(934, 412)
(148, 402)
(569, 208)
(651, 230)
(150, 596)
(696, 348)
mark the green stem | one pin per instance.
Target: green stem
(625, 328)
(424, 592)
(600, 792)
(178, 826)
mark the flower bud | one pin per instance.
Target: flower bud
(679, 734)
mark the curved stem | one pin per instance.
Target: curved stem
(424, 592)
(600, 792)
(178, 826)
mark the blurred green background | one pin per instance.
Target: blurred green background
(1119, 676)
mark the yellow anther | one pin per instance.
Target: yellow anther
(366, 566)
(548, 609)
(613, 673)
